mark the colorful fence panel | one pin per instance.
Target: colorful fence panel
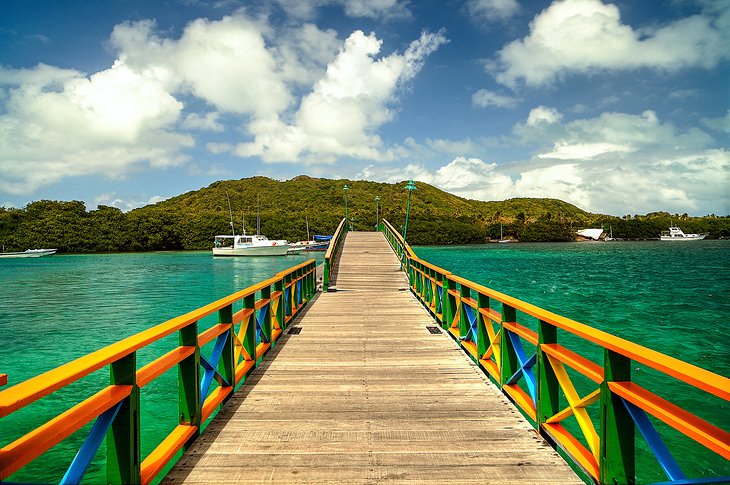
(538, 374)
(239, 340)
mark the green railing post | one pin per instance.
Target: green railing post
(267, 322)
(548, 388)
(226, 365)
(312, 279)
(288, 301)
(509, 364)
(188, 380)
(326, 276)
(617, 454)
(482, 334)
(448, 302)
(249, 338)
(281, 307)
(124, 461)
(464, 292)
(439, 299)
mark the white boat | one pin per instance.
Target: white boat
(319, 243)
(610, 235)
(501, 236)
(592, 233)
(245, 245)
(676, 234)
(29, 253)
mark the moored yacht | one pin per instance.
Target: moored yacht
(676, 234)
(245, 245)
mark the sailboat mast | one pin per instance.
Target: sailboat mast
(258, 216)
(230, 213)
(307, 221)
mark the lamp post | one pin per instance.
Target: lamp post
(410, 187)
(377, 214)
(345, 188)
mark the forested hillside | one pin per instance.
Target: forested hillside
(191, 220)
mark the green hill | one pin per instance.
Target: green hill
(190, 220)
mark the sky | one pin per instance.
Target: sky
(619, 107)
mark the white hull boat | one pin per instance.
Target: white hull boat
(245, 245)
(676, 234)
(29, 253)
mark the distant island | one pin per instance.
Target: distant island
(191, 220)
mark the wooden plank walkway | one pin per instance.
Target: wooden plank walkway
(365, 394)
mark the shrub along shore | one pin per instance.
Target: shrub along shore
(191, 220)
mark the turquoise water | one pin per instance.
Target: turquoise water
(669, 297)
(58, 308)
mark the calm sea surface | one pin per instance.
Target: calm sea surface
(671, 297)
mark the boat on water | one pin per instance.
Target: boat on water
(245, 245)
(319, 243)
(676, 234)
(610, 234)
(29, 253)
(591, 233)
(501, 236)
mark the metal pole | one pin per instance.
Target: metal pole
(410, 187)
(377, 213)
(408, 211)
(346, 188)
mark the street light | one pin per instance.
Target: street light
(377, 216)
(345, 188)
(410, 187)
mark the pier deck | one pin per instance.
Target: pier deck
(365, 394)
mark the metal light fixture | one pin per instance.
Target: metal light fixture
(345, 188)
(410, 187)
(377, 213)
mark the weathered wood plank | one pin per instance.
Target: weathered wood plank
(365, 394)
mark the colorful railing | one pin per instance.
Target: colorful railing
(532, 369)
(240, 339)
(332, 251)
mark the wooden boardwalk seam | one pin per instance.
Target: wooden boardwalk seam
(365, 394)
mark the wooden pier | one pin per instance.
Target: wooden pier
(366, 394)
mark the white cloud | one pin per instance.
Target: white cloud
(341, 115)
(485, 97)
(352, 8)
(587, 35)
(583, 151)
(721, 124)
(491, 10)
(616, 163)
(111, 199)
(543, 114)
(58, 122)
(206, 122)
(67, 123)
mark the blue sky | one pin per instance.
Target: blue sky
(618, 107)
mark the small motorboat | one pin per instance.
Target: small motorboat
(29, 253)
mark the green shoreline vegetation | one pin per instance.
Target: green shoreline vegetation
(189, 221)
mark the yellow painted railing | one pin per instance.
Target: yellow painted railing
(240, 339)
(534, 370)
